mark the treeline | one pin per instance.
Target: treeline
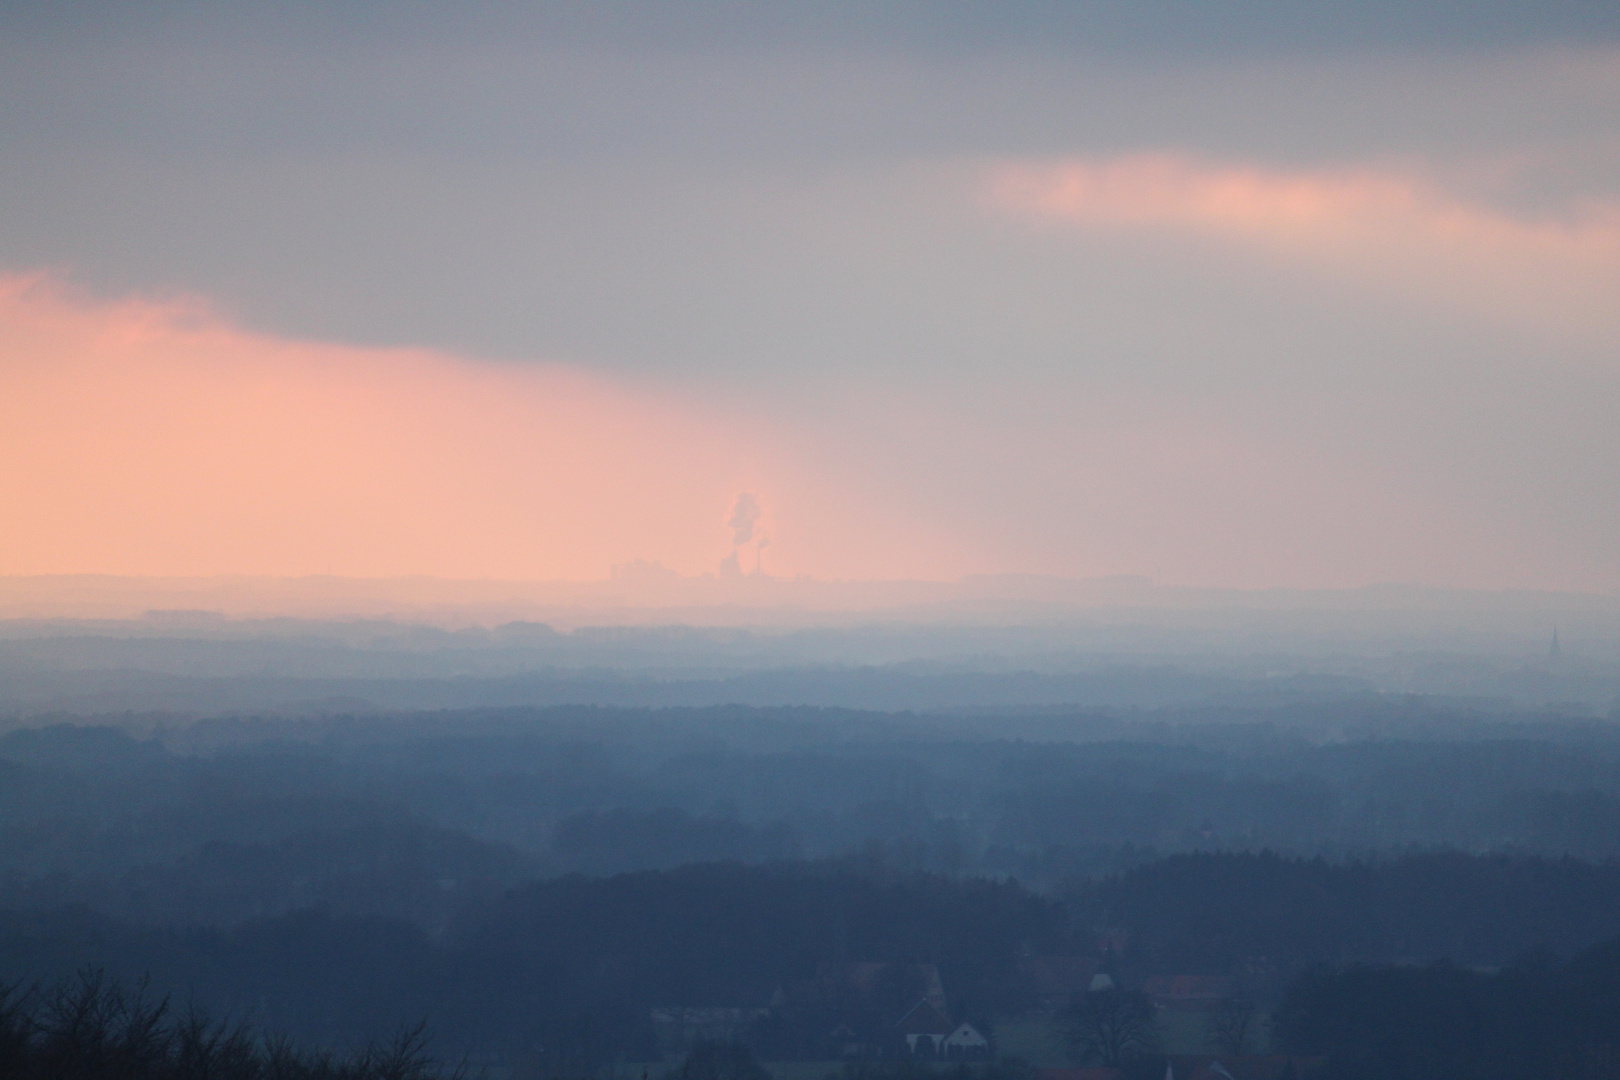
(733, 935)
(1534, 1018)
(576, 964)
(90, 1028)
(1218, 912)
(218, 822)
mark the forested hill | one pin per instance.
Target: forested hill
(598, 953)
(529, 876)
(1212, 912)
(161, 821)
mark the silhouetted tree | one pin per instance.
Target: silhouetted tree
(92, 1028)
(1231, 1025)
(1107, 1026)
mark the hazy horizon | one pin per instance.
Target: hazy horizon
(786, 600)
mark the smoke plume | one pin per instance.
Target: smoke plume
(743, 517)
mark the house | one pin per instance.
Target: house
(848, 1009)
(845, 1042)
(1058, 980)
(680, 1028)
(966, 1044)
(925, 1030)
(1242, 1067)
(1189, 993)
(861, 984)
(928, 1034)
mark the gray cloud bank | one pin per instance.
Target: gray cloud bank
(1244, 26)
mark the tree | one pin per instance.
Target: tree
(1108, 1026)
(720, 1061)
(1231, 1025)
(93, 1028)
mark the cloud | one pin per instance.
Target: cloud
(743, 516)
(1382, 229)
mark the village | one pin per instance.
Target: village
(850, 1017)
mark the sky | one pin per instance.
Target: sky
(1244, 295)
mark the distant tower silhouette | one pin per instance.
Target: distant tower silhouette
(1555, 651)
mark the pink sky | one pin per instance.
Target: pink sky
(151, 437)
(154, 438)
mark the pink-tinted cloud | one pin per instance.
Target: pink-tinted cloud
(1383, 229)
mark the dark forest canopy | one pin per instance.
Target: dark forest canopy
(1537, 1017)
(218, 821)
(603, 952)
(551, 878)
